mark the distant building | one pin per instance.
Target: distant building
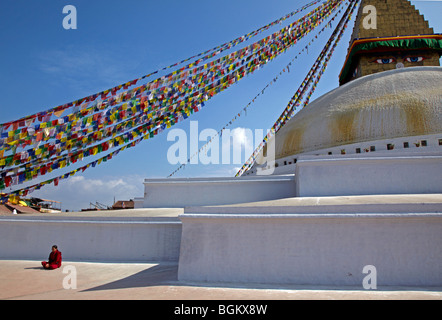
(8, 208)
(123, 204)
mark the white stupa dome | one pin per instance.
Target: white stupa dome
(397, 103)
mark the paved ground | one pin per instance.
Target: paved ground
(25, 279)
(109, 281)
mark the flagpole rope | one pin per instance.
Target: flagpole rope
(244, 110)
(297, 97)
(222, 47)
(161, 120)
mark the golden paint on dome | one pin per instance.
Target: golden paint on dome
(396, 104)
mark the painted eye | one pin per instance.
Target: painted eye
(414, 59)
(384, 60)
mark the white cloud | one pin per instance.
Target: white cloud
(239, 137)
(240, 142)
(77, 178)
(78, 192)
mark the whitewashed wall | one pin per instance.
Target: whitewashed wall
(90, 240)
(349, 175)
(312, 249)
(182, 192)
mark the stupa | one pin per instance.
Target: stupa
(387, 108)
(353, 196)
(362, 165)
(397, 36)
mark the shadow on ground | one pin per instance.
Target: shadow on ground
(153, 276)
(167, 275)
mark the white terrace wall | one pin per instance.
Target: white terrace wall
(90, 239)
(350, 175)
(312, 249)
(182, 192)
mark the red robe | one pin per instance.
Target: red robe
(54, 261)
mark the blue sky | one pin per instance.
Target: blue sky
(42, 65)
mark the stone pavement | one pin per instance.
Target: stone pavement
(25, 279)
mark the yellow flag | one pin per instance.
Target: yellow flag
(14, 199)
(58, 113)
(13, 142)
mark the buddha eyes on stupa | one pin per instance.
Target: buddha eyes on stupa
(414, 59)
(385, 60)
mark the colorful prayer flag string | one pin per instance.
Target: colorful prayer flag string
(323, 58)
(244, 110)
(58, 111)
(144, 111)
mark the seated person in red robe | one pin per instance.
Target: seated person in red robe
(54, 259)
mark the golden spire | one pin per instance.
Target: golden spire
(389, 34)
